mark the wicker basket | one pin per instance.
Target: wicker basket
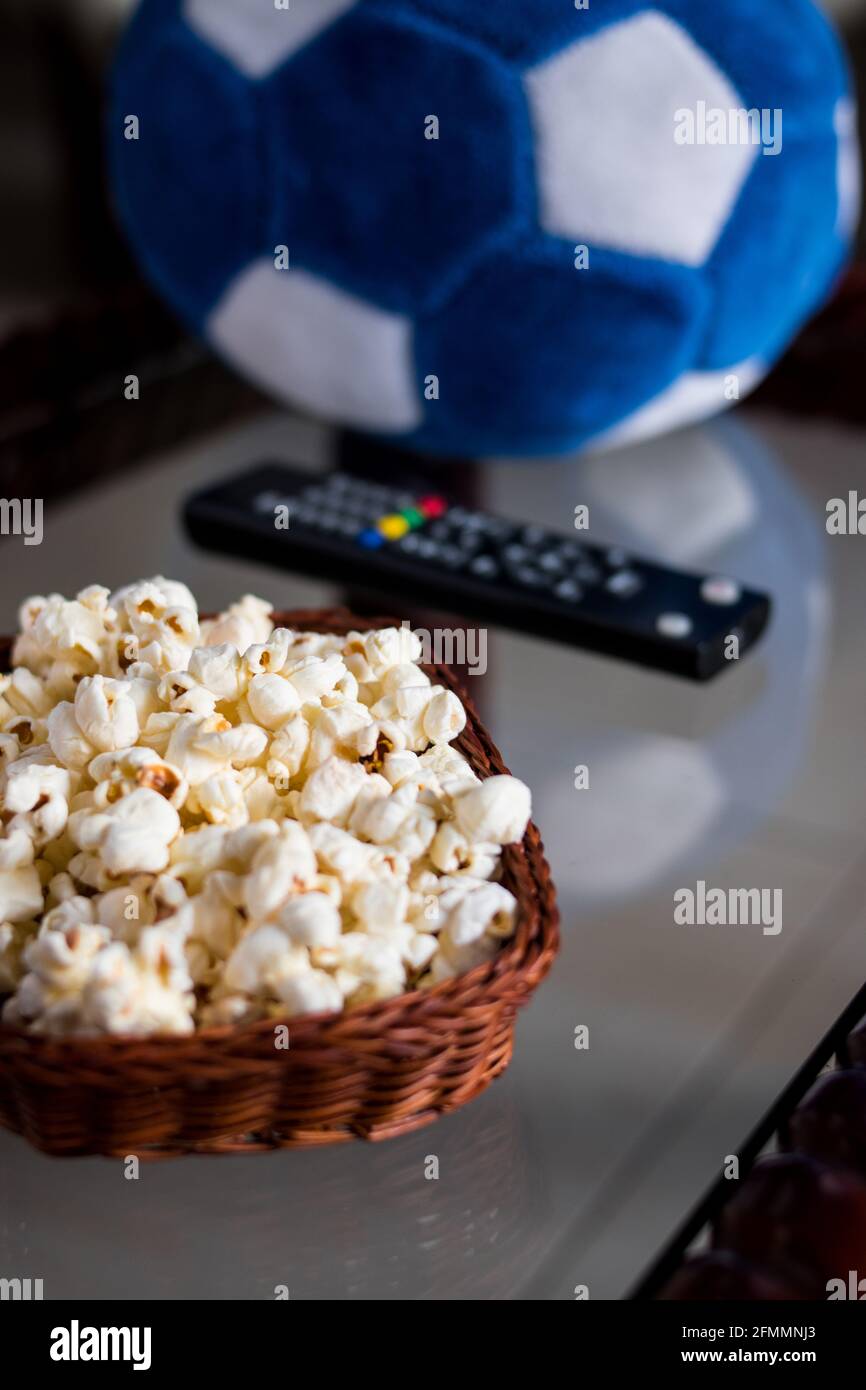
(371, 1073)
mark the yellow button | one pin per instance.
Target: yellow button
(392, 527)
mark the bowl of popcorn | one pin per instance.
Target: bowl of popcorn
(264, 879)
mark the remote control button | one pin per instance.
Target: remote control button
(587, 572)
(414, 517)
(484, 566)
(368, 493)
(516, 554)
(439, 530)
(426, 549)
(721, 591)
(393, 527)
(360, 513)
(432, 506)
(568, 590)
(469, 541)
(676, 625)
(268, 501)
(410, 543)
(532, 578)
(551, 562)
(451, 557)
(625, 583)
(370, 540)
(533, 535)
(617, 559)
(570, 551)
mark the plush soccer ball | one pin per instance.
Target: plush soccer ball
(509, 227)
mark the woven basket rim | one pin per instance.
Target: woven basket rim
(529, 951)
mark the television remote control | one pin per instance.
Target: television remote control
(350, 530)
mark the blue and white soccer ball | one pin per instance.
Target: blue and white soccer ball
(480, 227)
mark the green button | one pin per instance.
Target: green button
(413, 516)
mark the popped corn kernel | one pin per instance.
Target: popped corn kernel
(497, 810)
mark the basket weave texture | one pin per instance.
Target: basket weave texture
(371, 1073)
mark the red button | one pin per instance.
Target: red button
(433, 506)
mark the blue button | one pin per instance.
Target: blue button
(370, 539)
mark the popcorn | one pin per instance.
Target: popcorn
(16, 849)
(54, 629)
(49, 997)
(105, 713)
(489, 908)
(400, 767)
(229, 1010)
(342, 854)
(67, 742)
(313, 992)
(378, 814)
(330, 792)
(262, 960)
(182, 693)
(272, 700)
(244, 624)
(452, 853)
(369, 968)
(379, 906)
(310, 919)
(283, 865)
(131, 836)
(217, 926)
(162, 593)
(25, 693)
(288, 749)
(207, 823)
(37, 795)
(315, 676)
(405, 709)
(20, 894)
(385, 647)
(497, 811)
(450, 770)
(267, 658)
(143, 991)
(347, 730)
(218, 669)
(14, 937)
(220, 799)
(119, 773)
(444, 717)
(201, 746)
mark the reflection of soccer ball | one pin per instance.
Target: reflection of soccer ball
(431, 168)
(680, 784)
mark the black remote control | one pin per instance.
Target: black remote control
(347, 529)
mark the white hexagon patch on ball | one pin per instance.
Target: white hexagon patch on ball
(609, 169)
(298, 335)
(257, 36)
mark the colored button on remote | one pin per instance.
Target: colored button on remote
(433, 507)
(370, 540)
(393, 527)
